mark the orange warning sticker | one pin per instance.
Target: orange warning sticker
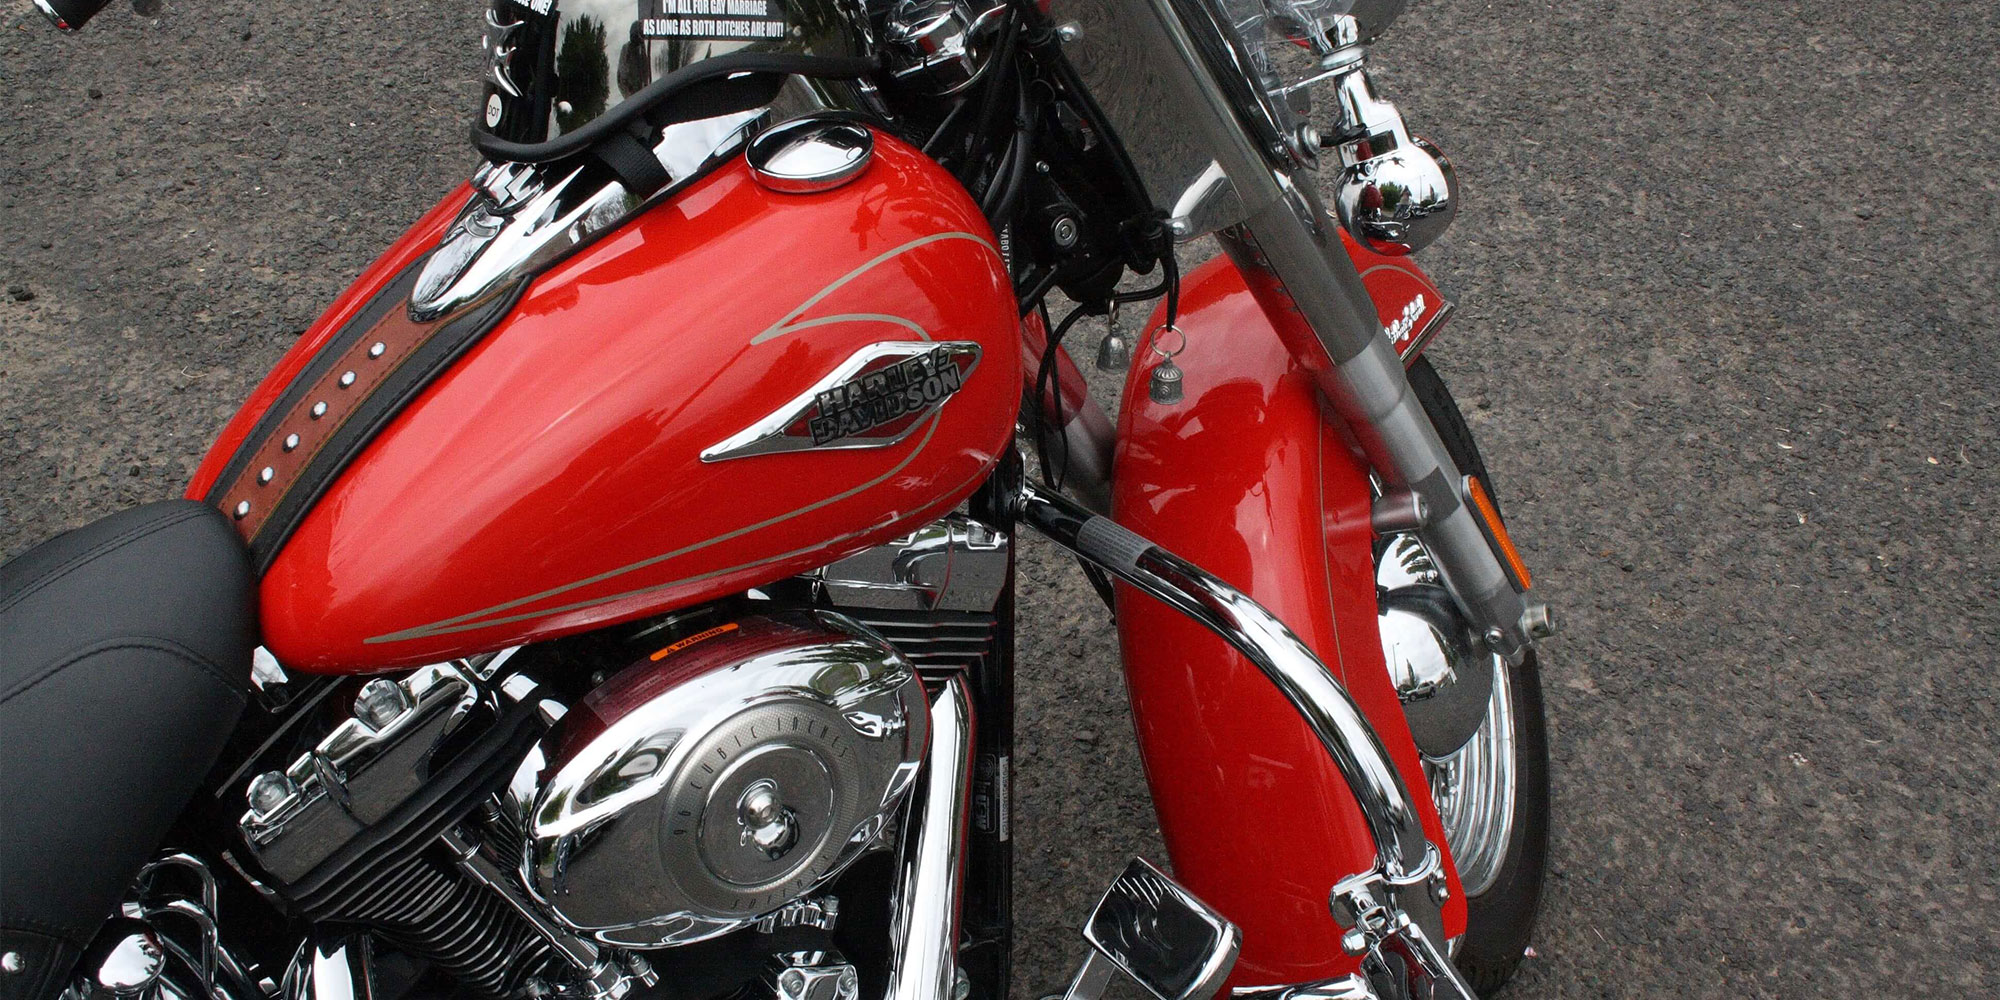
(691, 640)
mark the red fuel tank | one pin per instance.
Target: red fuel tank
(735, 386)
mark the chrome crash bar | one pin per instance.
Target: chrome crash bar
(1395, 908)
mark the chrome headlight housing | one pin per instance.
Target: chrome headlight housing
(1277, 49)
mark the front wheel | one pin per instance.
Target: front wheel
(1492, 794)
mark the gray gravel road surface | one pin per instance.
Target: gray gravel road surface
(1728, 278)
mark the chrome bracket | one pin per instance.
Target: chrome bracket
(1401, 919)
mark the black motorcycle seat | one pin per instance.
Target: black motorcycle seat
(124, 662)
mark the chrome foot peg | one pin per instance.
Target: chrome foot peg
(1160, 935)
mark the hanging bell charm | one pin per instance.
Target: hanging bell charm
(1114, 352)
(1166, 383)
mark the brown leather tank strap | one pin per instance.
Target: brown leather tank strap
(369, 370)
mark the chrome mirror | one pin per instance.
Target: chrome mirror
(1158, 933)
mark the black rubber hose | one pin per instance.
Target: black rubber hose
(1004, 194)
(70, 15)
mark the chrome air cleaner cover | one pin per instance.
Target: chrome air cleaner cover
(723, 777)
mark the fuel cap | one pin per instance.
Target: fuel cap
(810, 154)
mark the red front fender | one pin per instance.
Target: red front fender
(1249, 478)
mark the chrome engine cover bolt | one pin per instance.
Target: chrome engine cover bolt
(381, 702)
(268, 792)
(819, 982)
(766, 821)
(11, 963)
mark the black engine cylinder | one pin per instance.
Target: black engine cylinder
(351, 833)
(438, 914)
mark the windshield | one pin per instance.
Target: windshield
(1258, 61)
(554, 65)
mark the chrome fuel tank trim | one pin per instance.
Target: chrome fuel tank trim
(523, 217)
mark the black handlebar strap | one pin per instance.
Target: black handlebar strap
(715, 86)
(628, 153)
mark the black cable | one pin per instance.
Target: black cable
(1000, 63)
(1048, 397)
(931, 145)
(1019, 153)
(1038, 290)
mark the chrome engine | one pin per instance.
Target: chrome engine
(734, 771)
(534, 844)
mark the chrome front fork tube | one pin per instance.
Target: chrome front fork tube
(1293, 260)
(1282, 257)
(1396, 908)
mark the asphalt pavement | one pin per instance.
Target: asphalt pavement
(1727, 284)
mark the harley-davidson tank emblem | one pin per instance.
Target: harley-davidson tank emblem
(915, 385)
(873, 400)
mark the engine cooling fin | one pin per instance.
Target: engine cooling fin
(355, 838)
(934, 640)
(437, 914)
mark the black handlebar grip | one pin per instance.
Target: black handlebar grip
(70, 15)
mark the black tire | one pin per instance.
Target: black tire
(1501, 920)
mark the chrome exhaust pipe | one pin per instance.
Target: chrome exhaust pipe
(925, 935)
(333, 968)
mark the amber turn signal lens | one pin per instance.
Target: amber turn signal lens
(1496, 533)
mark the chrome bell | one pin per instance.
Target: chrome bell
(1114, 352)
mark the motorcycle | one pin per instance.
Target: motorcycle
(612, 594)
